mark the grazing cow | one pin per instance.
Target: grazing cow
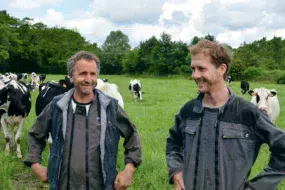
(244, 86)
(11, 76)
(229, 80)
(105, 80)
(111, 90)
(34, 81)
(19, 76)
(25, 77)
(47, 92)
(15, 105)
(136, 88)
(42, 78)
(267, 101)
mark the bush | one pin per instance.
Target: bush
(253, 73)
(281, 80)
(185, 69)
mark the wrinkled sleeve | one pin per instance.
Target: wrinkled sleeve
(37, 136)
(274, 172)
(174, 149)
(132, 144)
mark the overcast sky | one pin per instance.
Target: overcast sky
(230, 21)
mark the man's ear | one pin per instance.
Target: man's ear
(223, 68)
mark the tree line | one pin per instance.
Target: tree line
(27, 47)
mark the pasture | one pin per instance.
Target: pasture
(153, 117)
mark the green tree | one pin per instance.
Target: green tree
(115, 47)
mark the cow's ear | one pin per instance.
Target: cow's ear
(130, 87)
(273, 92)
(251, 92)
(62, 83)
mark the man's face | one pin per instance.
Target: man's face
(205, 74)
(84, 77)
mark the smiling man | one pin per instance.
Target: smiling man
(217, 136)
(86, 126)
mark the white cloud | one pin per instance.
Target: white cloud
(125, 11)
(31, 4)
(138, 32)
(94, 29)
(230, 21)
(52, 18)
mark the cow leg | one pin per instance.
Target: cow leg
(134, 94)
(12, 141)
(6, 135)
(18, 136)
(140, 93)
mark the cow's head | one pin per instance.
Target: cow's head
(260, 97)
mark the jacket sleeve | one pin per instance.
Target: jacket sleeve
(174, 149)
(37, 136)
(132, 144)
(274, 172)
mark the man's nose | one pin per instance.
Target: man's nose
(195, 74)
(87, 78)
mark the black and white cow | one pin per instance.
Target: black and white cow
(47, 92)
(15, 105)
(230, 80)
(11, 76)
(34, 81)
(42, 78)
(244, 86)
(25, 77)
(19, 76)
(266, 100)
(135, 87)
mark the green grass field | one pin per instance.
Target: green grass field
(153, 116)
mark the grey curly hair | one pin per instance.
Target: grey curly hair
(81, 55)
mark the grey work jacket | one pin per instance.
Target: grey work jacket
(241, 129)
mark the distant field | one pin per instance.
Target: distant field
(153, 117)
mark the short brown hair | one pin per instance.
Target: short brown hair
(219, 53)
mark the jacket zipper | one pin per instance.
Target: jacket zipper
(197, 152)
(70, 151)
(86, 152)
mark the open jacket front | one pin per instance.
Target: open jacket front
(114, 123)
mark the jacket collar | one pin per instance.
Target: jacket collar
(64, 101)
(198, 108)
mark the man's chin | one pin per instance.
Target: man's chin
(201, 90)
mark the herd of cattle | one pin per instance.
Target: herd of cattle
(15, 99)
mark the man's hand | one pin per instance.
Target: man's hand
(124, 178)
(40, 171)
(178, 181)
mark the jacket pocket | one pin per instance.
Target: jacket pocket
(238, 144)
